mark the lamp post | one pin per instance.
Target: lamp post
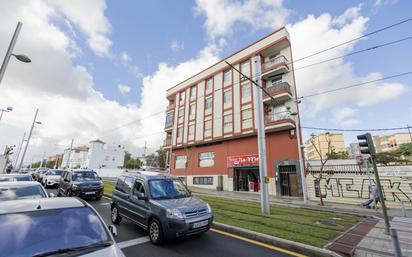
(28, 139)
(9, 53)
(8, 109)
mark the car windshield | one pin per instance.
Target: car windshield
(23, 178)
(55, 172)
(21, 192)
(167, 189)
(5, 179)
(85, 175)
(31, 233)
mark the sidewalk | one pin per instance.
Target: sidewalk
(297, 202)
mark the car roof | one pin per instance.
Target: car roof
(80, 170)
(147, 174)
(28, 205)
(19, 183)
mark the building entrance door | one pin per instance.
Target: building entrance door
(288, 180)
(246, 179)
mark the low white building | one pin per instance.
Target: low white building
(97, 155)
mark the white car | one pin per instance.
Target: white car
(54, 227)
(51, 178)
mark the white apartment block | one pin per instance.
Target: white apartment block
(391, 142)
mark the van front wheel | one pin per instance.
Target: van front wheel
(115, 215)
(155, 232)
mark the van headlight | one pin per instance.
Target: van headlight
(174, 214)
(209, 209)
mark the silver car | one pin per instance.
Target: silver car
(22, 190)
(54, 227)
(51, 178)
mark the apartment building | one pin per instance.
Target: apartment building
(211, 122)
(391, 142)
(320, 142)
(96, 155)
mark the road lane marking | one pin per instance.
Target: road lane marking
(132, 242)
(104, 203)
(258, 243)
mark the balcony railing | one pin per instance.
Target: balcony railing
(273, 63)
(169, 124)
(272, 89)
(170, 107)
(276, 117)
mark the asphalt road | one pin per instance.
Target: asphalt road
(134, 241)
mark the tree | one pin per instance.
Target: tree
(130, 162)
(161, 158)
(333, 155)
(405, 149)
(386, 158)
(323, 160)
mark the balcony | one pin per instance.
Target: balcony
(170, 107)
(274, 67)
(167, 142)
(278, 122)
(169, 125)
(281, 92)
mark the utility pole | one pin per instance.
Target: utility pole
(42, 159)
(70, 153)
(28, 139)
(18, 151)
(300, 148)
(260, 124)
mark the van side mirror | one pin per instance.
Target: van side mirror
(113, 230)
(142, 197)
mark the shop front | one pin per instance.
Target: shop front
(245, 172)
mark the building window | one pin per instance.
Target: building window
(179, 135)
(181, 97)
(193, 92)
(245, 68)
(180, 162)
(191, 132)
(227, 77)
(227, 98)
(192, 110)
(202, 180)
(276, 80)
(208, 128)
(246, 92)
(169, 118)
(247, 121)
(208, 104)
(207, 159)
(209, 85)
(227, 123)
(180, 116)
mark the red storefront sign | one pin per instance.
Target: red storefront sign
(243, 160)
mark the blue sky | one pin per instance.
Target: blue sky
(82, 51)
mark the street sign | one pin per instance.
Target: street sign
(243, 160)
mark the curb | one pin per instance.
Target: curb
(276, 241)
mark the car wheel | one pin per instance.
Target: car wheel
(69, 193)
(98, 198)
(45, 184)
(155, 232)
(59, 194)
(115, 215)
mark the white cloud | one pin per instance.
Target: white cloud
(380, 3)
(89, 17)
(124, 89)
(344, 117)
(177, 46)
(316, 33)
(125, 57)
(222, 16)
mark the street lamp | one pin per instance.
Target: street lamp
(28, 139)
(8, 109)
(9, 53)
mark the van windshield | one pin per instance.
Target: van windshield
(85, 175)
(167, 189)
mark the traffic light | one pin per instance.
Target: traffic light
(366, 144)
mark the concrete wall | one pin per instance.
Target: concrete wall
(354, 189)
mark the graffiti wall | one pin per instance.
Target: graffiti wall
(354, 188)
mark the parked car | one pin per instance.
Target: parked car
(22, 190)
(160, 204)
(54, 227)
(81, 183)
(15, 177)
(39, 173)
(51, 177)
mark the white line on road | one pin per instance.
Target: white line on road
(132, 242)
